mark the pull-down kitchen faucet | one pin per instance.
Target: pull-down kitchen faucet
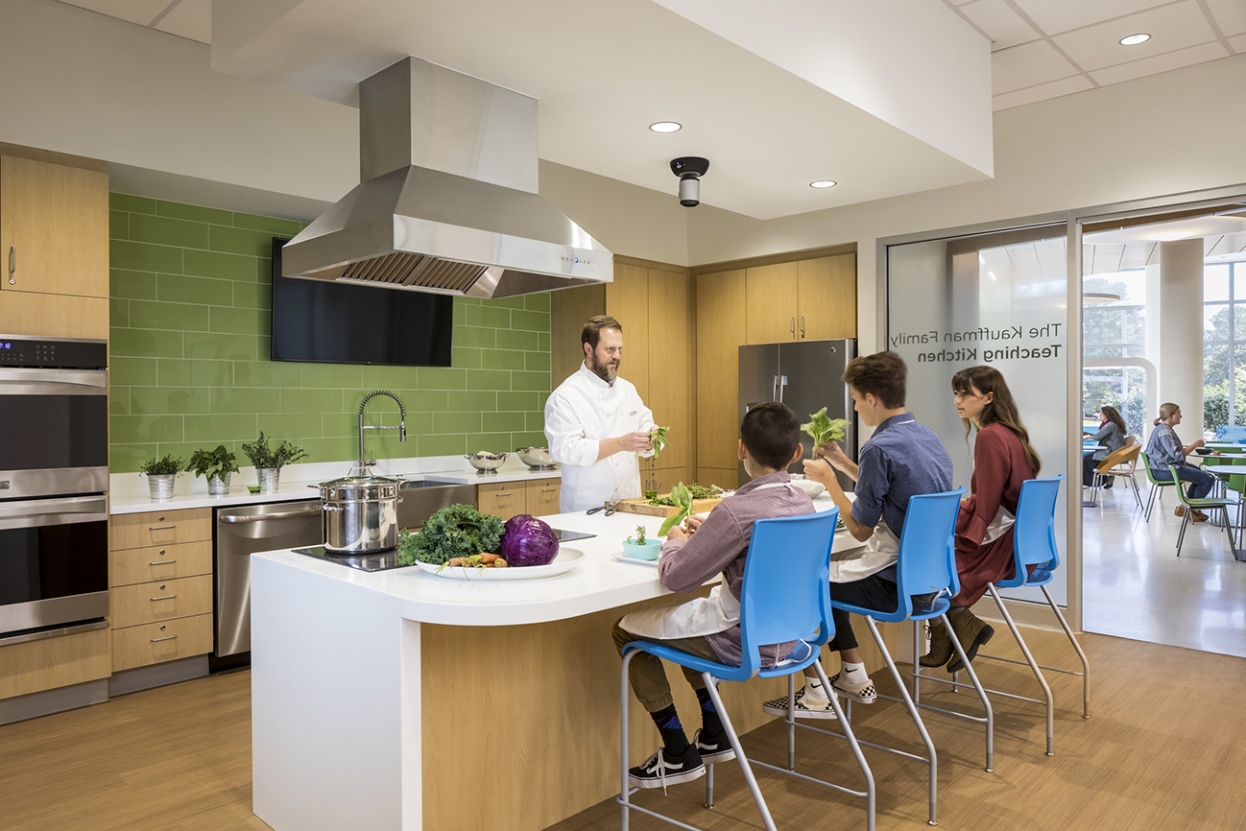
(364, 462)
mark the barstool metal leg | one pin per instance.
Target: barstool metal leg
(625, 702)
(857, 753)
(1068, 632)
(986, 702)
(912, 708)
(739, 752)
(1029, 659)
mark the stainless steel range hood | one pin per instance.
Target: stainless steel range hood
(448, 201)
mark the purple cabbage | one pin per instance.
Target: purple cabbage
(528, 541)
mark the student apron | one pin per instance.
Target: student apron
(698, 617)
(882, 549)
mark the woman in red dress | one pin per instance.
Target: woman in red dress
(1003, 458)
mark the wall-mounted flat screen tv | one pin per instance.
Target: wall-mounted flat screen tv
(318, 321)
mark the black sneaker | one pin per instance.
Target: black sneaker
(713, 749)
(661, 769)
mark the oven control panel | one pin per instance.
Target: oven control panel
(30, 352)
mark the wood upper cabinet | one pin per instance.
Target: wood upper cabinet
(812, 299)
(771, 301)
(627, 301)
(53, 228)
(720, 306)
(826, 298)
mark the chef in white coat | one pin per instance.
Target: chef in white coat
(596, 424)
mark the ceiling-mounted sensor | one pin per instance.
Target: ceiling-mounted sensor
(690, 169)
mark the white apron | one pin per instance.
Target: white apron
(698, 617)
(882, 549)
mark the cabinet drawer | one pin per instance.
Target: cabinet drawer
(45, 664)
(138, 646)
(543, 497)
(161, 528)
(161, 563)
(157, 602)
(504, 500)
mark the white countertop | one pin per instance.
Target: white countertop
(129, 492)
(597, 583)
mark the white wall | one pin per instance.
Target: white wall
(1166, 134)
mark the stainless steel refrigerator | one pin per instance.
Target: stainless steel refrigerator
(805, 376)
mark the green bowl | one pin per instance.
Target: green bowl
(649, 551)
(253, 488)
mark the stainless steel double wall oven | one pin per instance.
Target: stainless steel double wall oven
(53, 486)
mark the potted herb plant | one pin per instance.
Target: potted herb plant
(161, 474)
(269, 460)
(641, 547)
(216, 465)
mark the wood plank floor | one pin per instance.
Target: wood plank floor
(1166, 748)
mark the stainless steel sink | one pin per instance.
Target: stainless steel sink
(421, 499)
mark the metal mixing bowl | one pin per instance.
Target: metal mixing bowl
(535, 456)
(486, 462)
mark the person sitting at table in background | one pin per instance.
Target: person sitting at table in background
(902, 459)
(1003, 459)
(1111, 435)
(710, 626)
(1165, 449)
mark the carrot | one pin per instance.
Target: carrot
(487, 558)
(499, 563)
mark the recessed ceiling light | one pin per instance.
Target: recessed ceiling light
(823, 183)
(666, 127)
(1134, 40)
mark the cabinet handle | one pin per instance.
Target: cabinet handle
(162, 563)
(161, 527)
(12, 264)
(792, 325)
(164, 597)
(165, 638)
(802, 326)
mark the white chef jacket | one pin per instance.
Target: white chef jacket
(582, 412)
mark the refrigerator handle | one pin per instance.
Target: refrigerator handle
(782, 379)
(774, 389)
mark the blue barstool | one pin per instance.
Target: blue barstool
(785, 597)
(926, 565)
(1034, 544)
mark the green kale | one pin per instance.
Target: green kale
(456, 531)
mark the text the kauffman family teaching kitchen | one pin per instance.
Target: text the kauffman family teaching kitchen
(1007, 343)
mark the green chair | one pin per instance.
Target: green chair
(1220, 503)
(1156, 484)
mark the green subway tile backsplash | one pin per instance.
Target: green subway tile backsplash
(190, 311)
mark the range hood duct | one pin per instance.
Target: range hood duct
(448, 198)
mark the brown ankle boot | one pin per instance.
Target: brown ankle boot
(970, 631)
(940, 646)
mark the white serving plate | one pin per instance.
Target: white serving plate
(565, 561)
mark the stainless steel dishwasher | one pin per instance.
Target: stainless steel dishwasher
(240, 532)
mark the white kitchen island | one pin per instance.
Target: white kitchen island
(403, 700)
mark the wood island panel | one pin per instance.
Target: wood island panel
(529, 716)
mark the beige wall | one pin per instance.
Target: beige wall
(1166, 134)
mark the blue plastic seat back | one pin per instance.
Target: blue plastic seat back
(927, 558)
(786, 591)
(1034, 534)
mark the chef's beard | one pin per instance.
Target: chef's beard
(605, 370)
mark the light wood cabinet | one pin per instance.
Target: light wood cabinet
(139, 646)
(814, 299)
(161, 528)
(542, 496)
(160, 573)
(627, 301)
(505, 500)
(53, 228)
(720, 327)
(45, 664)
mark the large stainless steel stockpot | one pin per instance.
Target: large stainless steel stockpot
(360, 513)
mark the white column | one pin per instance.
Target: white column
(1181, 332)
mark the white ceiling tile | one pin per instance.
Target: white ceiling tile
(1027, 65)
(1160, 63)
(1238, 43)
(1041, 92)
(1230, 16)
(1171, 27)
(1003, 25)
(1055, 16)
(189, 19)
(142, 12)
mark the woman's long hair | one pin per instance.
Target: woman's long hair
(1165, 411)
(1001, 410)
(1114, 415)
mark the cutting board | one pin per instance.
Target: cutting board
(640, 505)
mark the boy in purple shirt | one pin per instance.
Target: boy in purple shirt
(709, 626)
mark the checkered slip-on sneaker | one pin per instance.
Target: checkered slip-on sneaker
(863, 693)
(804, 707)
